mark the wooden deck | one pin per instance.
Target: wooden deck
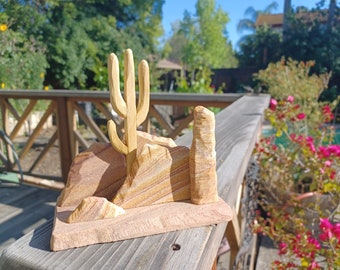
(22, 209)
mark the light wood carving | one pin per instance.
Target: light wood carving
(158, 175)
(136, 222)
(126, 107)
(142, 184)
(203, 175)
(99, 171)
(94, 208)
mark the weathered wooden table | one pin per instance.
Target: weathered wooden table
(237, 129)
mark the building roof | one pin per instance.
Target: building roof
(167, 64)
(274, 20)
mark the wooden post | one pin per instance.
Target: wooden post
(8, 149)
(64, 136)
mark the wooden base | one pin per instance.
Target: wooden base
(136, 222)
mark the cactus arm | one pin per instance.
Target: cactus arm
(116, 98)
(117, 144)
(130, 124)
(144, 92)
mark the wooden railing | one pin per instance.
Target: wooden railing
(169, 115)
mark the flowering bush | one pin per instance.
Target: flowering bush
(299, 170)
(302, 249)
(299, 184)
(299, 156)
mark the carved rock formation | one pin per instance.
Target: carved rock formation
(100, 171)
(159, 174)
(203, 175)
(94, 208)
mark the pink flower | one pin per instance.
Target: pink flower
(283, 248)
(290, 99)
(273, 104)
(336, 231)
(301, 116)
(314, 265)
(328, 163)
(325, 224)
(327, 112)
(314, 242)
(327, 227)
(324, 152)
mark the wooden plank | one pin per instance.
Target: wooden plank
(10, 194)
(129, 254)
(36, 131)
(89, 121)
(22, 119)
(183, 124)
(43, 183)
(10, 108)
(6, 153)
(180, 99)
(81, 139)
(50, 143)
(24, 208)
(159, 117)
(72, 127)
(35, 198)
(233, 237)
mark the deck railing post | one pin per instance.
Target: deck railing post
(64, 135)
(8, 149)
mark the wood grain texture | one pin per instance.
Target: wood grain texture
(94, 208)
(203, 177)
(159, 175)
(94, 174)
(237, 128)
(135, 222)
(153, 252)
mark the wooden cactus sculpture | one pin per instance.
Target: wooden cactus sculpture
(126, 107)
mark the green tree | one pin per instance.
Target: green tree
(83, 33)
(315, 35)
(80, 34)
(200, 43)
(173, 48)
(260, 48)
(309, 35)
(22, 60)
(195, 39)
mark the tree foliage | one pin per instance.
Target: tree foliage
(196, 37)
(311, 35)
(22, 59)
(260, 48)
(78, 35)
(251, 15)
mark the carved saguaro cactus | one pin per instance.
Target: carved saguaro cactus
(126, 107)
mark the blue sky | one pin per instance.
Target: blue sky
(173, 10)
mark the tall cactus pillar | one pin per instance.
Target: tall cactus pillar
(126, 107)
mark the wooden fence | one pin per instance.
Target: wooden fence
(74, 129)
